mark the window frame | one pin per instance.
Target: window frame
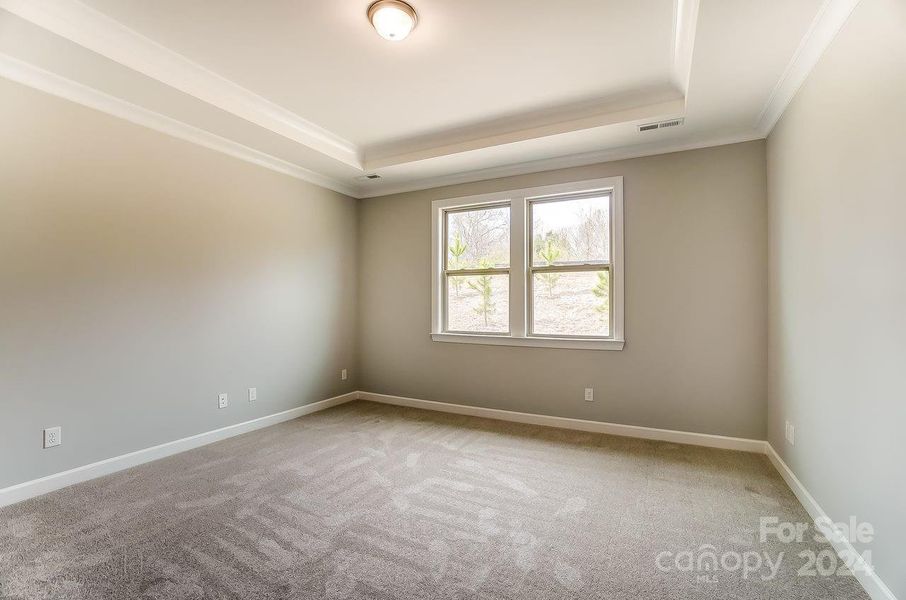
(521, 270)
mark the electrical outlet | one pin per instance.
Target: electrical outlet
(589, 394)
(222, 401)
(343, 375)
(53, 436)
(253, 394)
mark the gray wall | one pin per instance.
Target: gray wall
(695, 356)
(141, 275)
(837, 212)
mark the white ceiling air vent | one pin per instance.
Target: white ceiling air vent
(660, 125)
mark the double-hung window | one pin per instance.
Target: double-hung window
(532, 267)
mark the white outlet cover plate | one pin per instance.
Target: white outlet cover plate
(589, 395)
(253, 394)
(222, 401)
(53, 436)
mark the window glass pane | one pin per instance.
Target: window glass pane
(478, 238)
(571, 231)
(478, 303)
(576, 303)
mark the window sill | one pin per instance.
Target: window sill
(532, 342)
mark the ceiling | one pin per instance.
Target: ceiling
(480, 89)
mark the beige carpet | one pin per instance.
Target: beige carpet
(373, 501)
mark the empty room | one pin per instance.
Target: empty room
(436, 299)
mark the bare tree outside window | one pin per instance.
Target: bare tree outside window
(483, 234)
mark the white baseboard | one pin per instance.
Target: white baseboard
(866, 576)
(37, 487)
(647, 433)
(23, 491)
(44, 485)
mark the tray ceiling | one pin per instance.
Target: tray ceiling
(480, 89)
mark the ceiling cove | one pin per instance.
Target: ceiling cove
(568, 134)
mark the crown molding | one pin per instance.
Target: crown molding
(35, 77)
(830, 18)
(99, 33)
(563, 162)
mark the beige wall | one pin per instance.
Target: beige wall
(141, 275)
(695, 355)
(837, 211)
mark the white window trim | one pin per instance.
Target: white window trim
(519, 200)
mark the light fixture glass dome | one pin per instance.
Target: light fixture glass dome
(392, 19)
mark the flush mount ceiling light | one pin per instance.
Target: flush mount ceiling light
(392, 19)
